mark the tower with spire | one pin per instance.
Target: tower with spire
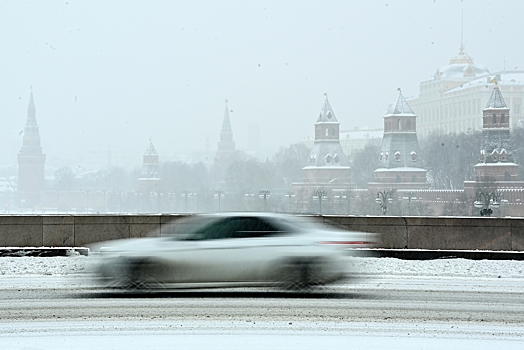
(149, 176)
(496, 162)
(31, 162)
(326, 171)
(399, 158)
(326, 158)
(226, 146)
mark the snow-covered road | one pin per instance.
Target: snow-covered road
(51, 303)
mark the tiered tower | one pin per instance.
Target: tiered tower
(399, 158)
(496, 156)
(149, 177)
(327, 157)
(31, 162)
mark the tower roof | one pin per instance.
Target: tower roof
(226, 123)
(326, 113)
(31, 112)
(151, 149)
(400, 107)
(496, 100)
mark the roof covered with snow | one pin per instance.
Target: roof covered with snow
(326, 113)
(460, 66)
(400, 107)
(496, 100)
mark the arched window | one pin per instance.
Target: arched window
(327, 132)
(408, 124)
(502, 119)
(397, 156)
(414, 178)
(507, 176)
(413, 156)
(494, 119)
(399, 124)
(398, 178)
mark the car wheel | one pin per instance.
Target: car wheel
(141, 274)
(299, 274)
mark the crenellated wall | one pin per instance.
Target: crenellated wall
(396, 232)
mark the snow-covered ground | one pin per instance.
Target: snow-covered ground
(32, 273)
(68, 266)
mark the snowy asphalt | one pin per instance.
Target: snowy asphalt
(52, 303)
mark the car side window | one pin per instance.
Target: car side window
(236, 227)
(253, 227)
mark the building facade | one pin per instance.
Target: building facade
(453, 99)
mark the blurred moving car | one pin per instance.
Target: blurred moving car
(233, 250)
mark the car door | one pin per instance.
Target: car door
(241, 249)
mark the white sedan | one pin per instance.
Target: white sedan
(233, 250)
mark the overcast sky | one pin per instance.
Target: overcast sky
(108, 75)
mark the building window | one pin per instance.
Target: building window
(494, 119)
(413, 156)
(399, 124)
(408, 124)
(397, 156)
(327, 131)
(507, 176)
(502, 119)
(495, 156)
(503, 155)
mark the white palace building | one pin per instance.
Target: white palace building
(453, 100)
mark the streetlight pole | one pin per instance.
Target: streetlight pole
(289, 195)
(319, 196)
(219, 194)
(410, 196)
(383, 199)
(264, 194)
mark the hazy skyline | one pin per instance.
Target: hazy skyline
(107, 76)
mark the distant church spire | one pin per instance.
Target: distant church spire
(31, 162)
(226, 146)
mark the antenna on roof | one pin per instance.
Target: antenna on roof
(399, 90)
(325, 94)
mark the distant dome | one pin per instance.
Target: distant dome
(461, 66)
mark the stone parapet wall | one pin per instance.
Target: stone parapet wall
(446, 233)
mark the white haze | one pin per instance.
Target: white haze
(108, 75)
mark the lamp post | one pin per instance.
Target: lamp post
(250, 200)
(344, 197)
(289, 195)
(383, 199)
(486, 202)
(409, 197)
(264, 194)
(219, 194)
(186, 195)
(319, 196)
